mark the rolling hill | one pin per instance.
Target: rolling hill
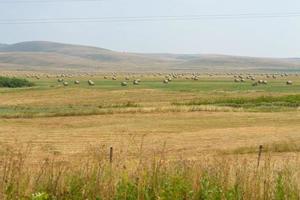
(2, 45)
(50, 56)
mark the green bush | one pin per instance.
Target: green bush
(14, 82)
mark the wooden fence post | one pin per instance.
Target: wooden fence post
(111, 154)
(259, 154)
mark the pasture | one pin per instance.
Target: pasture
(189, 119)
(210, 114)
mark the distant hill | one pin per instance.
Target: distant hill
(2, 45)
(50, 56)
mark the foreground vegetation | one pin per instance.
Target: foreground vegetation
(100, 176)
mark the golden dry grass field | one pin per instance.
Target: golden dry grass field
(193, 118)
(193, 137)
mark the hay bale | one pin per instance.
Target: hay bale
(76, 82)
(124, 84)
(60, 80)
(166, 81)
(136, 82)
(289, 82)
(91, 83)
(265, 82)
(66, 83)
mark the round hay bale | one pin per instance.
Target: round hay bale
(166, 81)
(124, 84)
(76, 82)
(265, 82)
(289, 82)
(136, 82)
(66, 83)
(60, 80)
(91, 83)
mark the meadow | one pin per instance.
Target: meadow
(188, 139)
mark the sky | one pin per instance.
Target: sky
(260, 37)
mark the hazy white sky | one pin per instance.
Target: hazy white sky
(271, 37)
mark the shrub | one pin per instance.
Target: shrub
(14, 82)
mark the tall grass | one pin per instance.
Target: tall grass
(93, 176)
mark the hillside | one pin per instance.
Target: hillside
(50, 56)
(2, 45)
